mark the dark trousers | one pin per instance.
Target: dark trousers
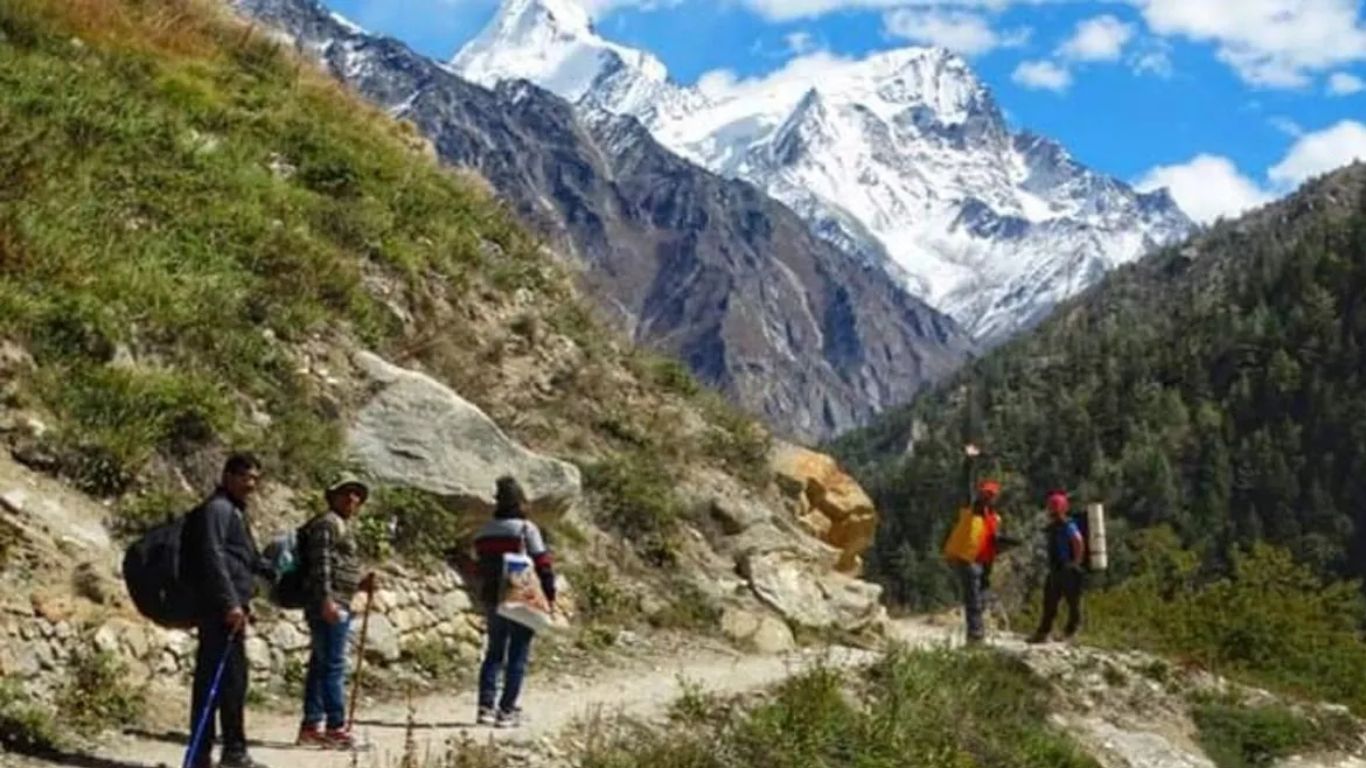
(214, 641)
(509, 648)
(1065, 584)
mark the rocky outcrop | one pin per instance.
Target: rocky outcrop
(762, 632)
(827, 502)
(416, 432)
(808, 597)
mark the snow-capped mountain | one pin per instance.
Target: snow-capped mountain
(902, 158)
(709, 269)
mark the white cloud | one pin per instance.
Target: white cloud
(1153, 58)
(1320, 152)
(1209, 186)
(969, 34)
(788, 10)
(800, 72)
(1206, 187)
(1286, 125)
(1345, 84)
(1042, 75)
(800, 43)
(1275, 43)
(1097, 39)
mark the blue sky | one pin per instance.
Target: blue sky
(1228, 102)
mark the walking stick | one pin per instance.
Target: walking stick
(210, 700)
(360, 659)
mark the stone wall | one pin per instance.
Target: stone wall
(410, 610)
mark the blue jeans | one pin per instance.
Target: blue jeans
(509, 646)
(324, 687)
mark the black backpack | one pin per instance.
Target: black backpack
(288, 556)
(156, 581)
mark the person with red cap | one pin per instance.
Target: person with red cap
(1066, 553)
(972, 554)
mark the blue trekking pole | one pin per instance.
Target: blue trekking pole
(212, 698)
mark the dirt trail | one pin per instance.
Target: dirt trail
(640, 689)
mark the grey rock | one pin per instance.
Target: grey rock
(738, 515)
(416, 432)
(258, 655)
(451, 604)
(773, 636)
(20, 660)
(808, 595)
(382, 640)
(286, 637)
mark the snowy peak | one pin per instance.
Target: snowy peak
(902, 158)
(932, 78)
(551, 43)
(528, 17)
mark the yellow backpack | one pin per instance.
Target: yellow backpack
(965, 541)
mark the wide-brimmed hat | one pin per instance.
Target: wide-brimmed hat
(349, 481)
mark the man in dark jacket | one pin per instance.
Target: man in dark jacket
(333, 567)
(223, 560)
(1066, 551)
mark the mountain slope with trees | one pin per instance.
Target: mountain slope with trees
(1214, 388)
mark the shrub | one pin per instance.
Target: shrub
(599, 597)
(24, 726)
(1234, 735)
(410, 522)
(1271, 622)
(688, 608)
(135, 515)
(738, 442)
(96, 694)
(635, 497)
(435, 661)
(935, 709)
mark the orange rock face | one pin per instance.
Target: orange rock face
(828, 503)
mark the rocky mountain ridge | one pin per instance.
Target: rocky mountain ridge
(903, 159)
(706, 269)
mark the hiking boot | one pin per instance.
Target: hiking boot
(339, 738)
(487, 716)
(311, 736)
(239, 761)
(509, 719)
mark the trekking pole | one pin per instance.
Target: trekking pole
(211, 699)
(360, 659)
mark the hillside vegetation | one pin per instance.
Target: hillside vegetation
(929, 709)
(190, 218)
(1215, 391)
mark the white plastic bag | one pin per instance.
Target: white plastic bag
(522, 599)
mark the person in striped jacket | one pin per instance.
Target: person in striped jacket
(509, 643)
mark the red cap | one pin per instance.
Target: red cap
(1057, 501)
(989, 489)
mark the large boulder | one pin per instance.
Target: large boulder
(762, 632)
(827, 502)
(416, 432)
(808, 595)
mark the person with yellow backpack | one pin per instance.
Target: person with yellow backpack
(972, 547)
